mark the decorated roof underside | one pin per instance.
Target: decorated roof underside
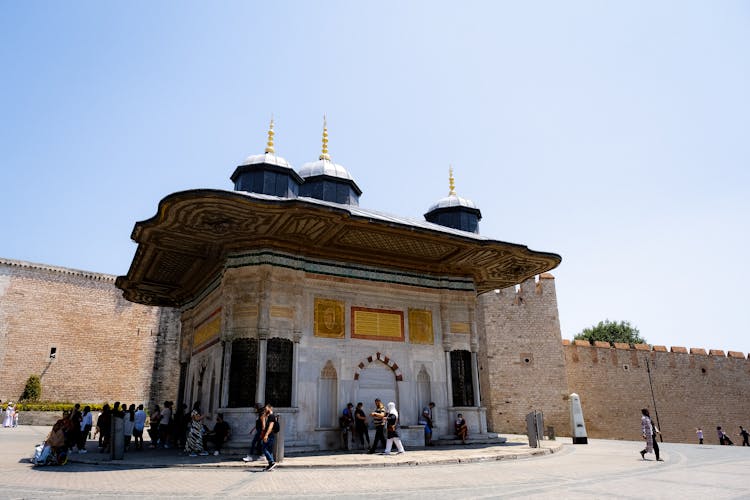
(185, 245)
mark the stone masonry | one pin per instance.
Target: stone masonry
(106, 348)
(521, 363)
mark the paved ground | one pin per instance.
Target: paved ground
(601, 469)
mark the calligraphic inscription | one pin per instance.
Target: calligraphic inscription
(420, 327)
(207, 332)
(460, 327)
(377, 324)
(329, 319)
(282, 312)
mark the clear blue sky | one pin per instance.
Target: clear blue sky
(612, 133)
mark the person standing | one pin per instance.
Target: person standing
(104, 424)
(378, 420)
(153, 430)
(86, 423)
(75, 431)
(165, 426)
(138, 425)
(427, 422)
(270, 428)
(194, 442)
(699, 433)
(128, 424)
(346, 423)
(392, 429)
(360, 425)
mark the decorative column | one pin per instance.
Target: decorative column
(225, 373)
(264, 324)
(295, 367)
(445, 326)
(474, 341)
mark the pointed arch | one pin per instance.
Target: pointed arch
(327, 395)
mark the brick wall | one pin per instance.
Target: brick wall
(521, 362)
(691, 390)
(107, 348)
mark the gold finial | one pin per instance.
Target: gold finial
(451, 181)
(324, 154)
(269, 145)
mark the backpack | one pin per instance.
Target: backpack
(276, 424)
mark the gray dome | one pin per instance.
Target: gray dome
(267, 158)
(325, 167)
(452, 201)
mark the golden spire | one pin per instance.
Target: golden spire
(324, 154)
(451, 182)
(269, 145)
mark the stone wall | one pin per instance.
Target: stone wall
(690, 389)
(521, 362)
(107, 348)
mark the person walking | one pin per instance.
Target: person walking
(378, 420)
(392, 429)
(255, 445)
(744, 435)
(699, 433)
(270, 428)
(649, 431)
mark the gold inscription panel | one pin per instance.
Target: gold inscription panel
(377, 324)
(420, 327)
(460, 328)
(207, 333)
(329, 319)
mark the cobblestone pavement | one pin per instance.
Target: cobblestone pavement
(601, 469)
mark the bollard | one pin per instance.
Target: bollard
(116, 439)
(576, 420)
(551, 432)
(535, 428)
(278, 446)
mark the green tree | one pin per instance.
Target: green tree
(611, 331)
(33, 389)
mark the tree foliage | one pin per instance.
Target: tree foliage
(611, 331)
(33, 389)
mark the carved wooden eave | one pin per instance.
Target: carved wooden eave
(185, 245)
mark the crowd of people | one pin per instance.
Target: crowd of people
(170, 427)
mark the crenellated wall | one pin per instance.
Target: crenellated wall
(522, 367)
(691, 388)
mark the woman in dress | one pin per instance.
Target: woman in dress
(649, 431)
(392, 430)
(8, 422)
(194, 442)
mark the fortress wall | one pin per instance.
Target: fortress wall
(522, 367)
(108, 349)
(691, 389)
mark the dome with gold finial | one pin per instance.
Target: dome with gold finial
(326, 180)
(267, 173)
(454, 211)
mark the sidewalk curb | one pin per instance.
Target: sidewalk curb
(289, 462)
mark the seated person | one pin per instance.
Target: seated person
(219, 435)
(55, 442)
(462, 431)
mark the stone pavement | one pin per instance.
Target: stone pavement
(516, 447)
